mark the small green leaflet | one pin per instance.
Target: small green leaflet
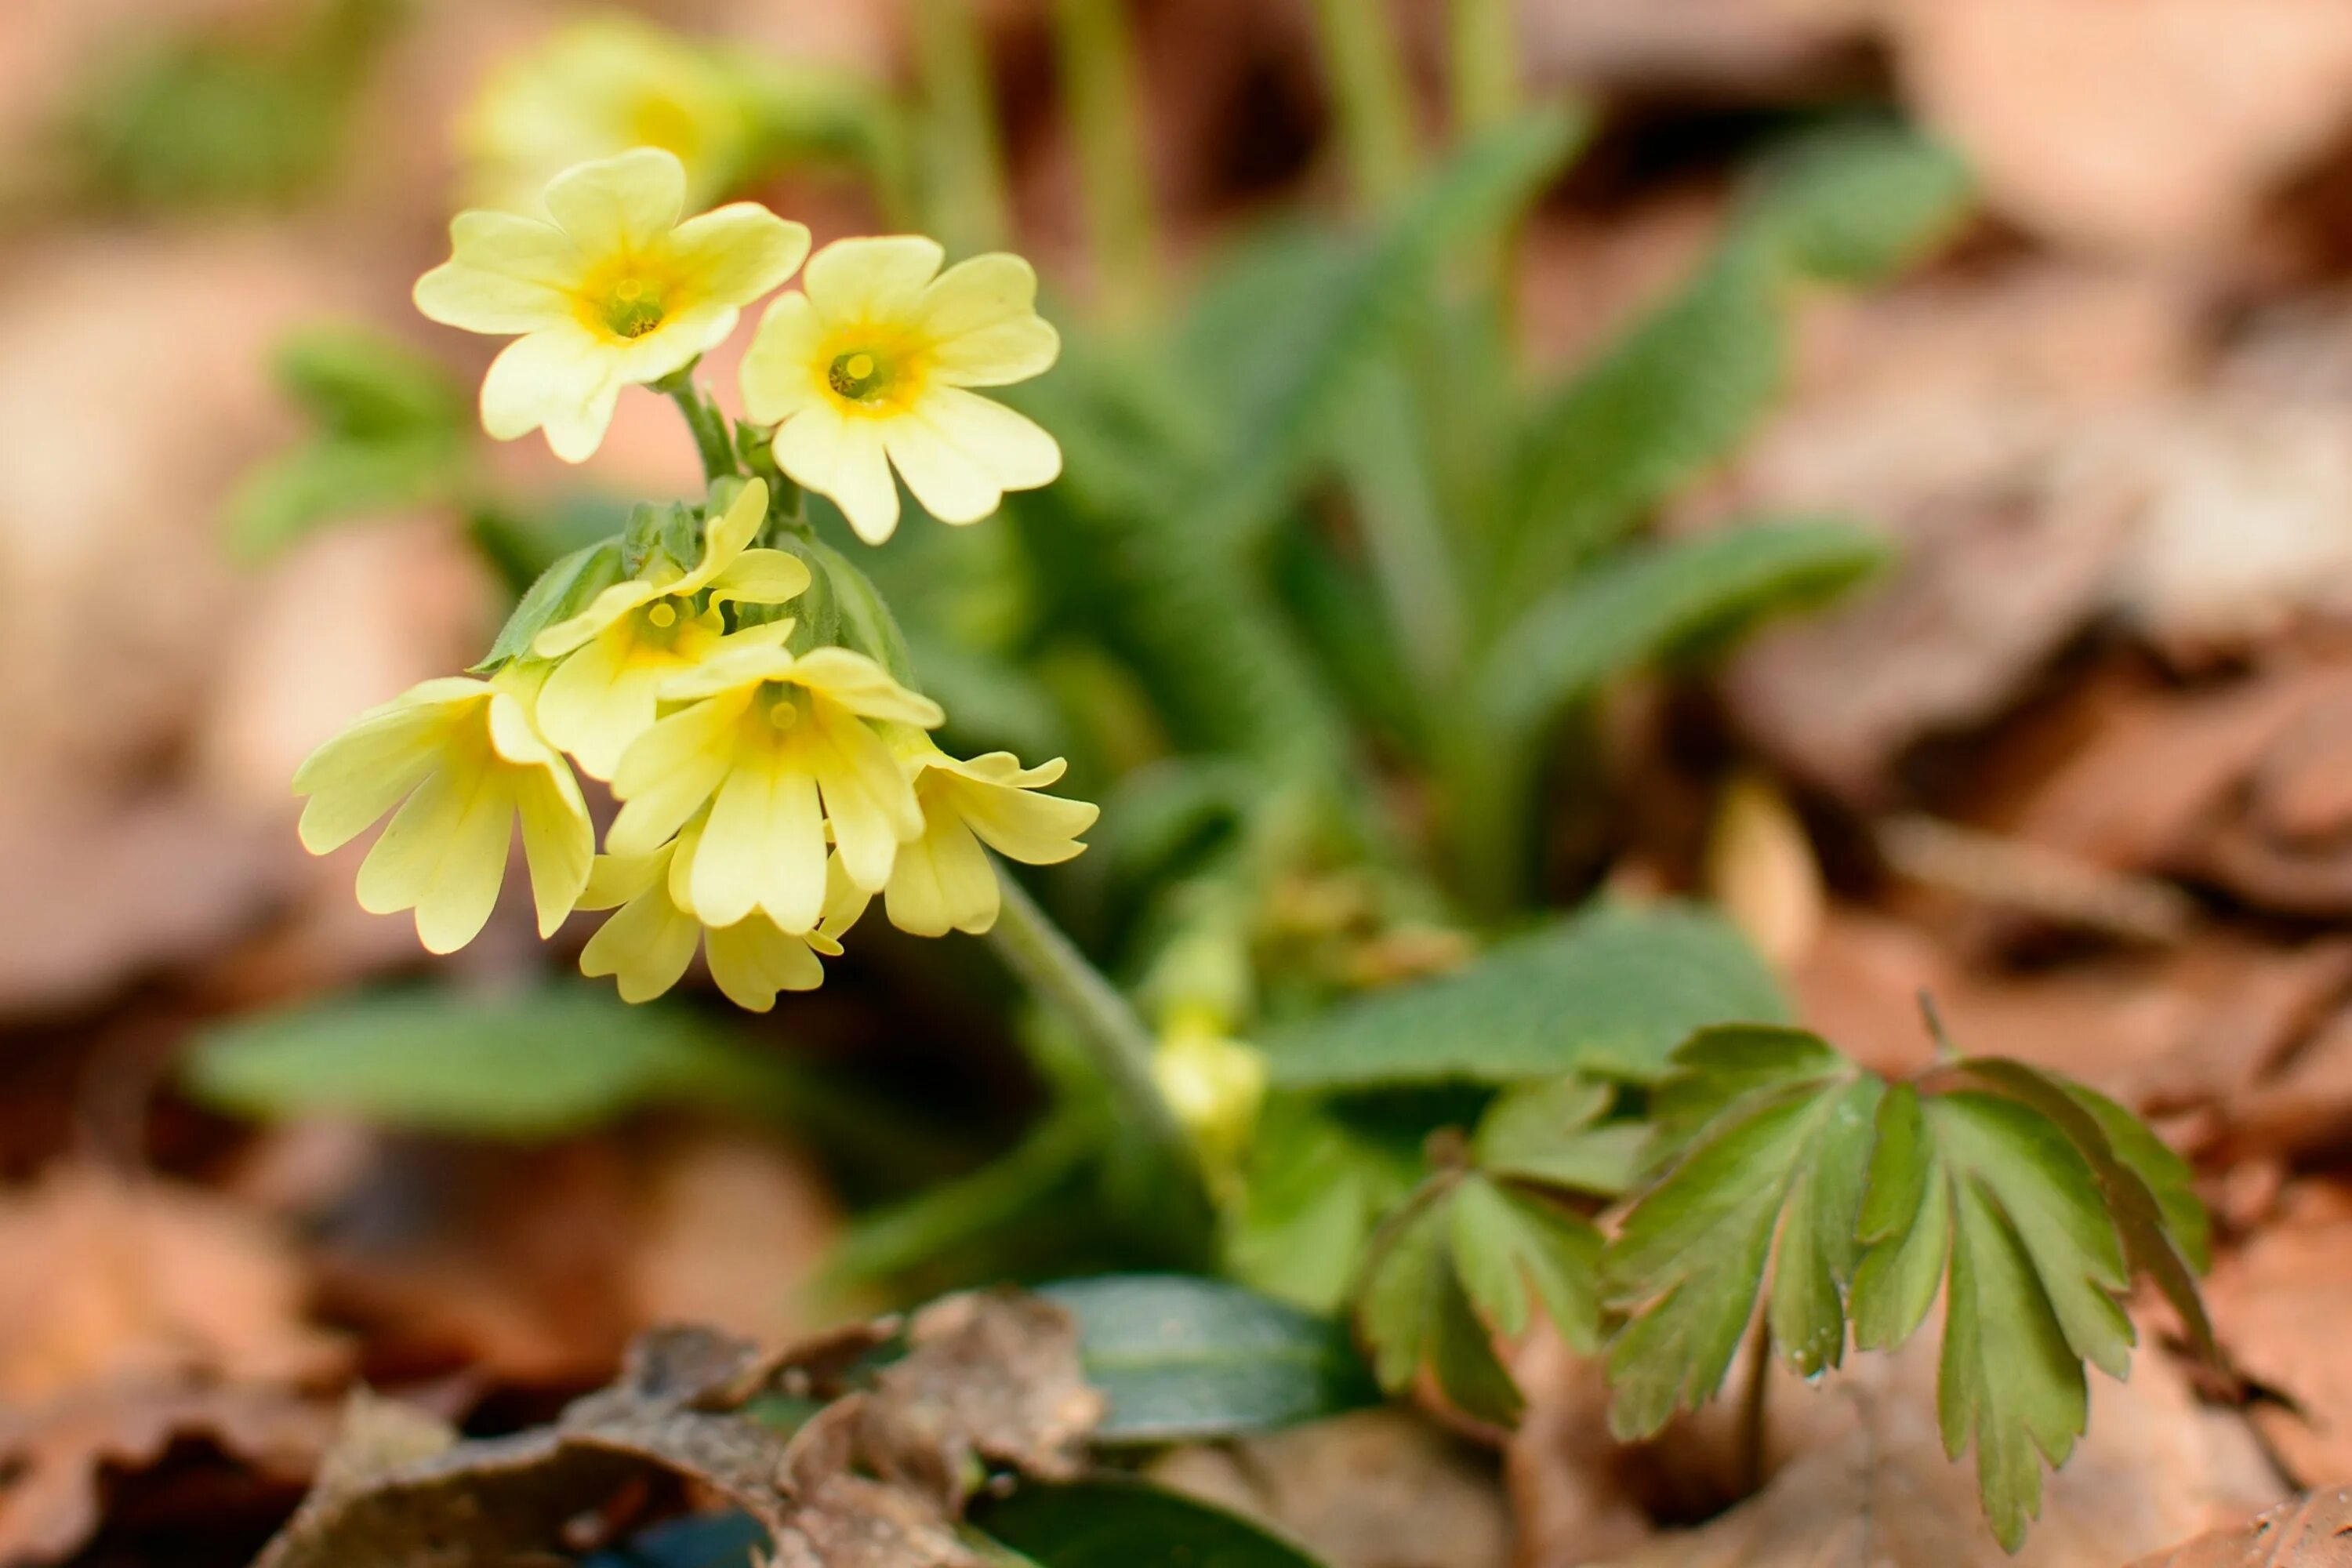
(1550, 1133)
(1784, 1155)
(562, 591)
(2029, 1200)
(1610, 990)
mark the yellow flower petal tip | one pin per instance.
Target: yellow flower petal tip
(609, 290)
(942, 881)
(651, 937)
(870, 366)
(463, 762)
(780, 750)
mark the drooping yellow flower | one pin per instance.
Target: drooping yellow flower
(870, 366)
(942, 881)
(463, 760)
(651, 939)
(781, 749)
(597, 86)
(1215, 1085)
(613, 292)
(637, 633)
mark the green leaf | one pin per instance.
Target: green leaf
(1462, 1353)
(562, 591)
(328, 480)
(356, 380)
(1184, 1359)
(1609, 992)
(1315, 1188)
(1397, 1305)
(532, 1065)
(1656, 597)
(1550, 1134)
(1508, 1241)
(1782, 1157)
(1666, 400)
(1109, 1523)
(1859, 200)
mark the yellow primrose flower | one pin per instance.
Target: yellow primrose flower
(869, 366)
(463, 760)
(649, 942)
(615, 292)
(597, 86)
(636, 635)
(1215, 1085)
(779, 748)
(942, 881)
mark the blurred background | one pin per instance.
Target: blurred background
(2075, 756)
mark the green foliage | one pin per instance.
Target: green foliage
(1315, 1188)
(390, 430)
(1112, 1522)
(2031, 1202)
(1551, 1131)
(531, 1066)
(1649, 600)
(1857, 201)
(1184, 1359)
(564, 590)
(1609, 992)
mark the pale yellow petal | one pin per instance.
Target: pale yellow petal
(942, 880)
(619, 207)
(853, 681)
(362, 772)
(950, 483)
(725, 536)
(762, 847)
(607, 607)
(1011, 450)
(876, 279)
(842, 457)
(505, 274)
(646, 945)
(444, 854)
(845, 905)
(782, 372)
(560, 380)
(747, 660)
(980, 317)
(1002, 768)
(1036, 830)
(602, 698)
(754, 959)
(668, 771)
(558, 842)
(737, 252)
(615, 880)
(867, 800)
(761, 577)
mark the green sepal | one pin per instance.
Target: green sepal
(564, 590)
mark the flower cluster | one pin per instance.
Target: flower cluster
(772, 780)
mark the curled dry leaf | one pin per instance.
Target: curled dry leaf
(2312, 1532)
(1863, 1481)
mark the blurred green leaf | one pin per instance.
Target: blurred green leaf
(1414, 1312)
(1785, 1157)
(536, 1065)
(1110, 1522)
(1609, 992)
(1315, 1188)
(1184, 1359)
(1549, 1133)
(355, 380)
(1856, 201)
(1655, 597)
(1510, 1241)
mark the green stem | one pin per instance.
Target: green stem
(1481, 65)
(1098, 57)
(711, 441)
(1371, 96)
(962, 169)
(1116, 1044)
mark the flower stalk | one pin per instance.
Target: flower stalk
(708, 427)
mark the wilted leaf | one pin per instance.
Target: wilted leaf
(1180, 1358)
(1611, 992)
(2314, 1532)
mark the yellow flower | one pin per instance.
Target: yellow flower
(869, 368)
(781, 749)
(598, 86)
(615, 292)
(636, 635)
(463, 760)
(942, 880)
(647, 945)
(1215, 1084)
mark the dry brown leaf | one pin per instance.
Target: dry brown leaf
(1863, 1481)
(2277, 1305)
(113, 1280)
(2150, 126)
(53, 1454)
(991, 1374)
(1376, 1489)
(2310, 1532)
(733, 1225)
(1761, 869)
(1762, 48)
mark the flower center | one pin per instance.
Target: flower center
(631, 308)
(785, 710)
(860, 375)
(663, 615)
